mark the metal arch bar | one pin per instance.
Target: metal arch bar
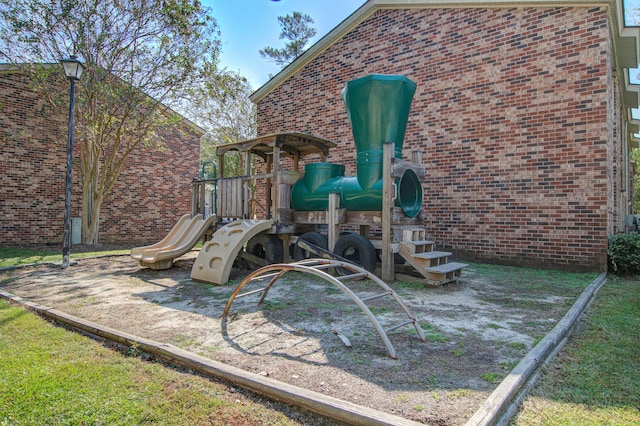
(359, 271)
(328, 255)
(280, 268)
(271, 283)
(309, 266)
(310, 270)
(390, 349)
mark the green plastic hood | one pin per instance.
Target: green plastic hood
(378, 108)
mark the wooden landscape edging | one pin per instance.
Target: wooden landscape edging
(497, 408)
(324, 405)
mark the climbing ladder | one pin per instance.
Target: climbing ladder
(432, 264)
(318, 267)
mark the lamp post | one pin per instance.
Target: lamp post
(73, 69)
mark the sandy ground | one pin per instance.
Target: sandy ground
(477, 329)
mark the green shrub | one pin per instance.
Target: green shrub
(623, 254)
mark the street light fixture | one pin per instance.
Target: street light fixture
(73, 69)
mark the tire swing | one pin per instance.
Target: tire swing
(357, 249)
(267, 247)
(314, 238)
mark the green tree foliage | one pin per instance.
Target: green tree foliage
(144, 59)
(297, 30)
(623, 254)
(227, 119)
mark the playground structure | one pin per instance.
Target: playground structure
(373, 218)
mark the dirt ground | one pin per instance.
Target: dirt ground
(477, 329)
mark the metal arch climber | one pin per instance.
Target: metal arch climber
(317, 267)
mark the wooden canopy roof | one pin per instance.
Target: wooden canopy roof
(291, 144)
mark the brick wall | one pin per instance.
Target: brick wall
(510, 114)
(153, 191)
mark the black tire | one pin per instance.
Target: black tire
(267, 247)
(314, 238)
(357, 249)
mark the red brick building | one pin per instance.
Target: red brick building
(521, 112)
(153, 191)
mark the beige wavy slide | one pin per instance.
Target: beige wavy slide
(214, 262)
(183, 236)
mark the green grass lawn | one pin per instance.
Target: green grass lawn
(22, 256)
(595, 379)
(25, 256)
(51, 376)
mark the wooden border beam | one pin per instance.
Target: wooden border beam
(318, 403)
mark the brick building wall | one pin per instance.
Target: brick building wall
(153, 191)
(510, 113)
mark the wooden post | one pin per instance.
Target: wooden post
(221, 166)
(296, 161)
(246, 186)
(286, 242)
(388, 273)
(268, 185)
(201, 199)
(416, 157)
(332, 219)
(220, 192)
(275, 200)
(194, 199)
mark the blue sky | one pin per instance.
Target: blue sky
(631, 9)
(250, 25)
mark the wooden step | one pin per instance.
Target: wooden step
(420, 246)
(444, 273)
(418, 243)
(413, 234)
(419, 252)
(432, 254)
(432, 258)
(447, 267)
